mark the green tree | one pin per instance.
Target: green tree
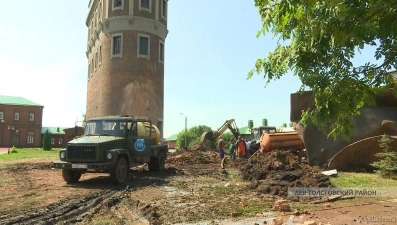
(47, 141)
(387, 163)
(317, 41)
(229, 138)
(193, 136)
(84, 121)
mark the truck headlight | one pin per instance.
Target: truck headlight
(109, 155)
(62, 155)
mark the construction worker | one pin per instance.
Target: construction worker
(221, 148)
(232, 152)
(241, 147)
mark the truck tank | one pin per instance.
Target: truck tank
(282, 141)
(144, 130)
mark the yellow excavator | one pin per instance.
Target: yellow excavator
(213, 135)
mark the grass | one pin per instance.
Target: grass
(4, 182)
(362, 180)
(30, 153)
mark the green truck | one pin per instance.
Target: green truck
(112, 145)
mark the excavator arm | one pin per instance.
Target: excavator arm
(212, 135)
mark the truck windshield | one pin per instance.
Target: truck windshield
(255, 135)
(104, 128)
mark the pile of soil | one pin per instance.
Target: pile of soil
(273, 172)
(194, 157)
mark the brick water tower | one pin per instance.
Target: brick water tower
(125, 51)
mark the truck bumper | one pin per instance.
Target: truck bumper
(81, 166)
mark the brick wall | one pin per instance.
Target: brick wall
(21, 126)
(128, 85)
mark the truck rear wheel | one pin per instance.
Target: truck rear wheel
(119, 174)
(157, 164)
(71, 176)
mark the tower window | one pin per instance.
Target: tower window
(117, 4)
(144, 47)
(144, 5)
(100, 54)
(161, 52)
(117, 45)
(164, 9)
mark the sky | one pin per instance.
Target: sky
(210, 48)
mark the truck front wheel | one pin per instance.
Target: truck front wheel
(157, 164)
(71, 176)
(119, 173)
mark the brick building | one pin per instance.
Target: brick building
(20, 122)
(125, 52)
(60, 136)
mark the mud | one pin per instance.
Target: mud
(21, 167)
(273, 172)
(66, 210)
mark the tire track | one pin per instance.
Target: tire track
(65, 210)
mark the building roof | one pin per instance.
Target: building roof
(243, 131)
(53, 130)
(172, 137)
(14, 100)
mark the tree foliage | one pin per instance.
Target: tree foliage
(84, 121)
(193, 136)
(317, 41)
(387, 163)
(47, 141)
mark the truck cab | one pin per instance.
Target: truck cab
(256, 133)
(112, 145)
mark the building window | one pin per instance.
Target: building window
(31, 117)
(100, 54)
(89, 69)
(60, 141)
(144, 46)
(161, 52)
(16, 116)
(117, 4)
(144, 5)
(30, 139)
(52, 141)
(92, 66)
(1, 136)
(1, 116)
(96, 59)
(164, 9)
(117, 45)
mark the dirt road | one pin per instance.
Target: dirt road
(193, 189)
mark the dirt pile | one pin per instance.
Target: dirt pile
(192, 157)
(273, 172)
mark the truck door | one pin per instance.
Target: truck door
(139, 141)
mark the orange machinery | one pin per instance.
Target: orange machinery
(281, 141)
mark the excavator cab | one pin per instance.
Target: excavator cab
(213, 135)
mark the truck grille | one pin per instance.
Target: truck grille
(81, 153)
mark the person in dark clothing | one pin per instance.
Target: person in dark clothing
(221, 148)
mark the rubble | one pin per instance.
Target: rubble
(282, 205)
(273, 172)
(276, 221)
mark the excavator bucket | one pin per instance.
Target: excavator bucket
(207, 136)
(359, 154)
